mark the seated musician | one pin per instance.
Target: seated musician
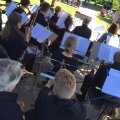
(24, 4)
(112, 30)
(59, 105)
(60, 32)
(41, 19)
(66, 56)
(12, 39)
(55, 17)
(10, 74)
(99, 78)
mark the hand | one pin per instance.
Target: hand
(50, 83)
(24, 72)
(21, 105)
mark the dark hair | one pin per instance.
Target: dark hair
(57, 9)
(113, 28)
(25, 3)
(8, 1)
(11, 25)
(45, 7)
(68, 21)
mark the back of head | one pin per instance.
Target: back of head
(8, 1)
(64, 84)
(57, 9)
(70, 44)
(12, 24)
(68, 21)
(113, 29)
(86, 21)
(10, 73)
(117, 57)
(45, 7)
(25, 3)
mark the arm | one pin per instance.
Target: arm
(102, 38)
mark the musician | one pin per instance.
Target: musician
(10, 74)
(24, 4)
(60, 105)
(112, 30)
(55, 17)
(99, 78)
(83, 30)
(42, 13)
(60, 32)
(66, 56)
(12, 39)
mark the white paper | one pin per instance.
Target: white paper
(113, 41)
(40, 33)
(63, 16)
(82, 44)
(106, 52)
(49, 14)
(33, 8)
(24, 18)
(99, 29)
(112, 83)
(10, 8)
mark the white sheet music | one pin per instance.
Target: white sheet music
(49, 14)
(40, 33)
(24, 18)
(63, 16)
(33, 8)
(112, 83)
(99, 29)
(10, 8)
(82, 43)
(106, 52)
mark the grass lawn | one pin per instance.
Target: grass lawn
(71, 10)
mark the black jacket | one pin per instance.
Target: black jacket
(14, 45)
(83, 31)
(9, 109)
(50, 107)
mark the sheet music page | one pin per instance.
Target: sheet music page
(63, 16)
(40, 33)
(114, 41)
(10, 8)
(24, 18)
(104, 52)
(99, 29)
(33, 8)
(82, 43)
(112, 83)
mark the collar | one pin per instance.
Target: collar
(8, 96)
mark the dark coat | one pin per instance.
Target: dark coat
(83, 31)
(50, 107)
(9, 109)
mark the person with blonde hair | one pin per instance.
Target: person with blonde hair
(70, 62)
(60, 105)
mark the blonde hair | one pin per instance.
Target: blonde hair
(70, 44)
(64, 84)
(117, 57)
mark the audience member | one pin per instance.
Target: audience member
(10, 74)
(66, 56)
(112, 30)
(60, 32)
(83, 30)
(60, 105)
(24, 4)
(13, 40)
